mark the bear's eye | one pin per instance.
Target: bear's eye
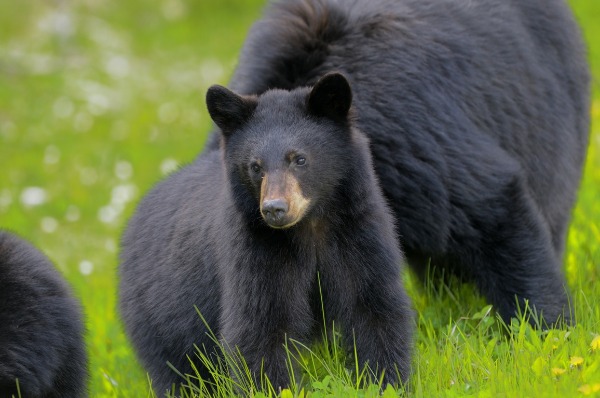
(255, 167)
(300, 161)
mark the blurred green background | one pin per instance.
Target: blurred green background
(100, 99)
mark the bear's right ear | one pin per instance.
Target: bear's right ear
(227, 109)
(331, 97)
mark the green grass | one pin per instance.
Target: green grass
(98, 100)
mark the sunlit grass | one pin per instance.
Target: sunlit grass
(99, 100)
(316, 371)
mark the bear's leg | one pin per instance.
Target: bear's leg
(381, 329)
(513, 259)
(261, 311)
(375, 316)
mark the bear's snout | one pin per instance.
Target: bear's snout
(282, 203)
(274, 212)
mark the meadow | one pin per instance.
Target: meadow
(99, 100)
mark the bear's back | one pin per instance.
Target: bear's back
(415, 54)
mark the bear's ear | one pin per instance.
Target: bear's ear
(331, 97)
(227, 109)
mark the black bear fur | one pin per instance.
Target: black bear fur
(204, 237)
(41, 326)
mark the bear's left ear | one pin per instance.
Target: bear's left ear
(227, 109)
(331, 97)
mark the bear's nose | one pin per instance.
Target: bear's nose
(274, 210)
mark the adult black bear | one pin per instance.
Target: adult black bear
(477, 113)
(41, 327)
(248, 231)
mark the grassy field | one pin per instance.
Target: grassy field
(99, 100)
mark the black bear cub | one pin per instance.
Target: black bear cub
(250, 230)
(41, 327)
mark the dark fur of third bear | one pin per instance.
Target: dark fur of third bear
(41, 326)
(478, 117)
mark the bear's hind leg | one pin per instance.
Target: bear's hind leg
(514, 260)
